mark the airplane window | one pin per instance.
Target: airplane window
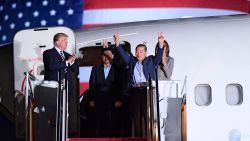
(203, 95)
(234, 94)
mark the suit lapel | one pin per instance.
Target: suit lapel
(56, 54)
(102, 75)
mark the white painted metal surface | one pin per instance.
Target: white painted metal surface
(213, 51)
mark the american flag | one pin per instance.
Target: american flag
(98, 12)
(16, 15)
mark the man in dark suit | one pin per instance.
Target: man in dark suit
(102, 85)
(57, 60)
(141, 69)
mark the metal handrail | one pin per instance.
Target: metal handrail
(153, 107)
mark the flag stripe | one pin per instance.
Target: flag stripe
(237, 5)
(107, 16)
(83, 87)
(93, 25)
(84, 78)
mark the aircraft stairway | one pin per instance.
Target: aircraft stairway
(108, 139)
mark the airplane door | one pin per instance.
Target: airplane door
(28, 48)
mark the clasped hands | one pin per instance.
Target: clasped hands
(71, 59)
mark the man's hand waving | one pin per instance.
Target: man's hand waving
(160, 39)
(116, 39)
(105, 43)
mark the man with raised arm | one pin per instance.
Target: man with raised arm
(142, 68)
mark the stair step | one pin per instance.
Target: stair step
(107, 139)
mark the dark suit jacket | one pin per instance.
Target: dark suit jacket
(53, 64)
(98, 84)
(149, 63)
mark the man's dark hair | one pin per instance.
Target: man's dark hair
(141, 45)
(59, 35)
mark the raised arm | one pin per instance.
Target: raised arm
(157, 58)
(124, 55)
(105, 43)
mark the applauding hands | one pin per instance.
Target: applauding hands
(71, 59)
